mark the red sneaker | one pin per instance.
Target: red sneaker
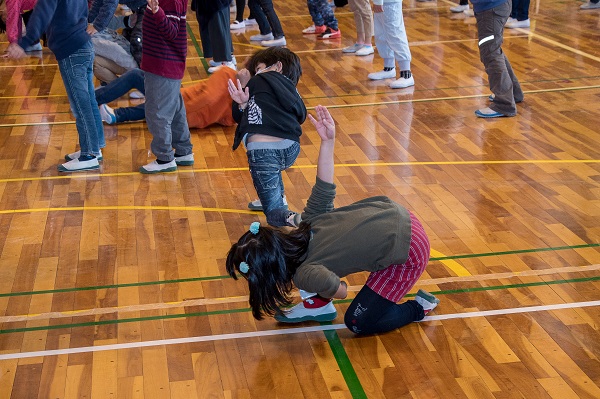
(311, 30)
(330, 34)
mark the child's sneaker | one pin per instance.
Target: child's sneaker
(155, 167)
(235, 25)
(107, 114)
(75, 165)
(77, 154)
(352, 49)
(257, 206)
(365, 50)
(402, 83)
(426, 300)
(249, 21)
(311, 309)
(260, 38)
(330, 34)
(280, 42)
(383, 74)
(312, 30)
(185, 160)
(228, 64)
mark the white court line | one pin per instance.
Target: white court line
(287, 331)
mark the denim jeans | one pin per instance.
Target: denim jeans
(132, 79)
(266, 18)
(266, 166)
(503, 82)
(76, 73)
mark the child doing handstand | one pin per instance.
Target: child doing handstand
(374, 234)
(269, 112)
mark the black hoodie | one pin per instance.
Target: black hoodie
(274, 109)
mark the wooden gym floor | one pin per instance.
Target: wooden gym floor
(112, 284)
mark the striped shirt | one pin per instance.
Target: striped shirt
(165, 39)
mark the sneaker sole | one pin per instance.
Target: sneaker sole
(427, 296)
(184, 163)
(321, 318)
(148, 172)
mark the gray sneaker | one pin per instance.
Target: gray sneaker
(257, 206)
(260, 38)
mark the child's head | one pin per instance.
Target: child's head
(268, 259)
(290, 63)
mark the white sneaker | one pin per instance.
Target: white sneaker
(509, 20)
(427, 300)
(274, 42)
(459, 8)
(257, 206)
(518, 24)
(403, 83)
(75, 165)
(365, 50)
(260, 38)
(590, 6)
(107, 114)
(185, 160)
(34, 47)
(249, 21)
(383, 74)
(469, 12)
(77, 154)
(228, 64)
(136, 94)
(352, 49)
(235, 25)
(155, 167)
(311, 309)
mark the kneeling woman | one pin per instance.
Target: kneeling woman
(375, 234)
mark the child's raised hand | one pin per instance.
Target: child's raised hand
(238, 94)
(153, 4)
(324, 123)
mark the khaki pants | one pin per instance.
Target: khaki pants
(107, 70)
(363, 19)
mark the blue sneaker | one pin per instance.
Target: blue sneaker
(488, 113)
(107, 114)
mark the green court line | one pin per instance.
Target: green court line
(195, 279)
(197, 47)
(229, 311)
(343, 361)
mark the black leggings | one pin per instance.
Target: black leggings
(370, 313)
(240, 5)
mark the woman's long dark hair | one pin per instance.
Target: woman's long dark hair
(272, 256)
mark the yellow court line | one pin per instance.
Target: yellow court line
(129, 208)
(349, 165)
(451, 264)
(244, 298)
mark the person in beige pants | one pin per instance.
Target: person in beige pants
(363, 19)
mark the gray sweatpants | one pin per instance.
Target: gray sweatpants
(166, 118)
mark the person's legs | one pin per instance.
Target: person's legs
(269, 10)
(396, 34)
(266, 166)
(239, 13)
(218, 26)
(490, 30)
(203, 26)
(127, 114)
(324, 10)
(520, 10)
(132, 79)
(161, 103)
(314, 12)
(76, 72)
(181, 131)
(256, 10)
(107, 70)
(370, 313)
(363, 17)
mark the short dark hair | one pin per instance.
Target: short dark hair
(273, 257)
(290, 62)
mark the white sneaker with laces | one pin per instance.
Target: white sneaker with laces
(155, 167)
(75, 165)
(107, 114)
(365, 50)
(257, 206)
(311, 309)
(185, 160)
(403, 83)
(228, 64)
(77, 154)
(383, 74)
(518, 24)
(426, 300)
(459, 8)
(260, 38)
(274, 42)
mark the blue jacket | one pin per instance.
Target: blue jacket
(64, 22)
(484, 5)
(101, 13)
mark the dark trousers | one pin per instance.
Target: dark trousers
(520, 10)
(215, 35)
(370, 313)
(503, 82)
(266, 18)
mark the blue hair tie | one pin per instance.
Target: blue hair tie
(244, 267)
(254, 227)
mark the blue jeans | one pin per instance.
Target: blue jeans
(266, 166)
(76, 72)
(266, 18)
(132, 79)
